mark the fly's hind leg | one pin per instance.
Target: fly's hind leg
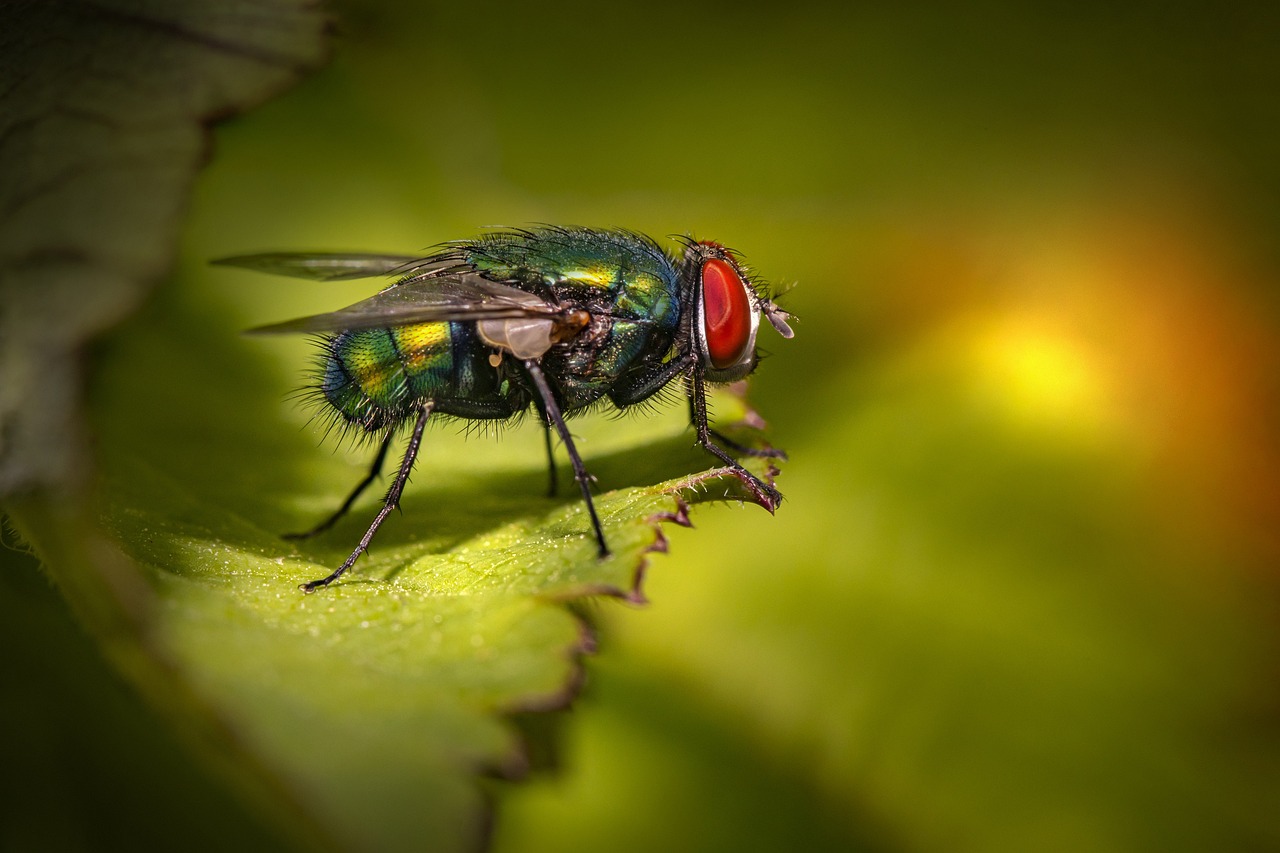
(392, 500)
(374, 471)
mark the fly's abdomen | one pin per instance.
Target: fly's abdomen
(377, 377)
(427, 358)
(373, 377)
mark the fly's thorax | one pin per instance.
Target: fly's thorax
(590, 365)
(614, 272)
(633, 322)
(625, 288)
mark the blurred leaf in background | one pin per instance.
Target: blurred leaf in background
(1023, 592)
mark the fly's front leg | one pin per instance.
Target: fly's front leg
(744, 450)
(736, 447)
(767, 495)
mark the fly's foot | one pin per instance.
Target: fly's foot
(312, 586)
(763, 493)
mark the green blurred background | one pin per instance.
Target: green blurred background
(1022, 594)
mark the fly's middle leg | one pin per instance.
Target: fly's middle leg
(580, 474)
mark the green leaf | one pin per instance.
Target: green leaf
(362, 713)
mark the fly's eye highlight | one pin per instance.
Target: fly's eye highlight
(728, 315)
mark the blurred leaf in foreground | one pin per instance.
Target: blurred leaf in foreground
(103, 114)
(104, 110)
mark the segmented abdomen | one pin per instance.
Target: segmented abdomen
(376, 377)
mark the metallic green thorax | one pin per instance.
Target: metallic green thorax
(375, 377)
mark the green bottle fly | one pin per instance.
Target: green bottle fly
(558, 319)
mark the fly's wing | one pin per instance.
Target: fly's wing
(326, 266)
(435, 296)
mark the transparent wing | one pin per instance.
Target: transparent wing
(326, 266)
(432, 297)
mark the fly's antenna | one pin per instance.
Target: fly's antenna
(778, 318)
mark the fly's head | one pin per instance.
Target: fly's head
(726, 311)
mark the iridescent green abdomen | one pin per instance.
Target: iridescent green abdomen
(375, 377)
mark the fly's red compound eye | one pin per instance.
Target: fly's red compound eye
(727, 313)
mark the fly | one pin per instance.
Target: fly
(558, 319)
